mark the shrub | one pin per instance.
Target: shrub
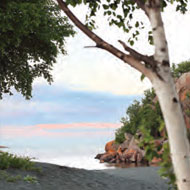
(8, 160)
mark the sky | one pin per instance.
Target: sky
(76, 115)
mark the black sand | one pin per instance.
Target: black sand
(54, 177)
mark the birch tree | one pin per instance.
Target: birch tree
(156, 67)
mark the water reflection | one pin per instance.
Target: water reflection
(125, 165)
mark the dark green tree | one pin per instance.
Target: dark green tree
(32, 33)
(144, 116)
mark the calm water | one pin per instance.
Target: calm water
(74, 150)
(61, 126)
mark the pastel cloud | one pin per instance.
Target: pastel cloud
(46, 130)
(79, 125)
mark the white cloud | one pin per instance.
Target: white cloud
(96, 70)
(98, 73)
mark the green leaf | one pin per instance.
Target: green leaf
(131, 42)
(105, 6)
(142, 77)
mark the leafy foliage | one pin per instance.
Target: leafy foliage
(121, 14)
(11, 161)
(30, 179)
(32, 32)
(178, 70)
(138, 117)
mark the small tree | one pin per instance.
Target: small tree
(32, 32)
(156, 68)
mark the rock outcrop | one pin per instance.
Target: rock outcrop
(129, 151)
(183, 89)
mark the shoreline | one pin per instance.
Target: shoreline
(66, 178)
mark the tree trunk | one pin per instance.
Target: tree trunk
(164, 86)
(176, 129)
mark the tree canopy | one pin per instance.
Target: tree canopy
(32, 32)
(121, 14)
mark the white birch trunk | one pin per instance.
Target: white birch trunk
(165, 89)
(176, 128)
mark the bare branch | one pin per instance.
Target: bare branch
(100, 43)
(137, 55)
(141, 5)
(90, 46)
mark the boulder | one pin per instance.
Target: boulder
(156, 161)
(111, 147)
(133, 155)
(183, 90)
(98, 156)
(107, 157)
(183, 82)
(126, 143)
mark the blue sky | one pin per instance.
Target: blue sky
(61, 105)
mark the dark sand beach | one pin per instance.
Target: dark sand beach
(54, 177)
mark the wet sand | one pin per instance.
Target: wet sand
(54, 177)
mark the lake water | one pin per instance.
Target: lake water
(62, 126)
(76, 149)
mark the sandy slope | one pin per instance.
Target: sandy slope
(54, 177)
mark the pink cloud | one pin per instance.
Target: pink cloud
(43, 130)
(80, 125)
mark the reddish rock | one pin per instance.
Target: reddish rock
(98, 156)
(112, 160)
(158, 142)
(156, 161)
(3, 147)
(133, 155)
(129, 151)
(183, 90)
(183, 82)
(111, 147)
(107, 157)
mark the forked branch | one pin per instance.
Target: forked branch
(100, 43)
(147, 59)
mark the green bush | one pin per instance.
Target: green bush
(8, 160)
(144, 114)
(178, 70)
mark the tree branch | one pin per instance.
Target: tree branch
(90, 46)
(141, 5)
(100, 43)
(137, 55)
(160, 42)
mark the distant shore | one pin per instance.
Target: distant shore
(55, 177)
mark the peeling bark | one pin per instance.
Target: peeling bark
(176, 129)
(168, 99)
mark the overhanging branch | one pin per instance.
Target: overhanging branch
(137, 55)
(100, 43)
